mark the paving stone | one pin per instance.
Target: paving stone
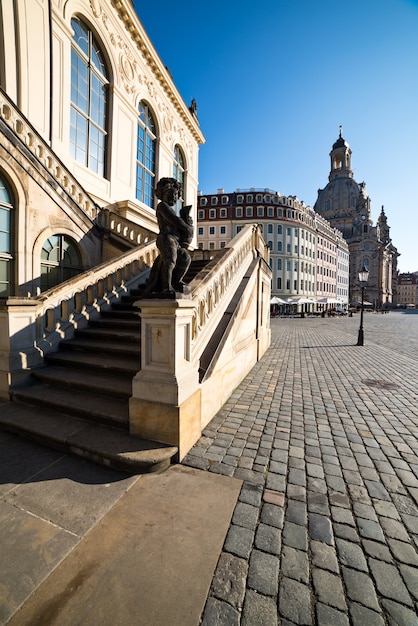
(295, 602)
(393, 528)
(249, 476)
(294, 564)
(346, 532)
(259, 609)
(221, 468)
(389, 582)
(399, 615)
(339, 499)
(320, 528)
(239, 541)
(327, 616)
(360, 588)
(219, 613)
(251, 494)
(296, 512)
(370, 529)
(377, 550)
(386, 509)
(358, 493)
(328, 588)
(365, 511)
(245, 515)
(410, 577)
(272, 515)
(318, 503)
(296, 492)
(342, 516)
(411, 522)
(295, 536)
(268, 539)
(376, 490)
(263, 573)
(351, 554)
(324, 556)
(403, 552)
(228, 583)
(276, 482)
(362, 616)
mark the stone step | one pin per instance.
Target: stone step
(127, 363)
(113, 321)
(104, 382)
(120, 335)
(108, 446)
(90, 405)
(90, 344)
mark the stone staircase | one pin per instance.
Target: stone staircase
(79, 401)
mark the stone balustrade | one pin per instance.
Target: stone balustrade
(31, 327)
(211, 293)
(40, 149)
(122, 227)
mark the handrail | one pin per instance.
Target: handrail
(213, 287)
(34, 326)
(122, 227)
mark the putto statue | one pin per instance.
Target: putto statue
(176, 233)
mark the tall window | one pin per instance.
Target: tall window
(6, 241)
(145, 156)
(89, 94)
(60, 260)
(178, 174)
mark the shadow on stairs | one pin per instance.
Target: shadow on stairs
(78, 402)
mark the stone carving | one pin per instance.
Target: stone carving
(176, 233)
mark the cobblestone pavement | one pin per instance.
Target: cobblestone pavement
(324, 435)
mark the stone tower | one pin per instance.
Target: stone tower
(346, 205)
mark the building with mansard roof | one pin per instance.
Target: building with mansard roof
(308, 257)
(345, 204)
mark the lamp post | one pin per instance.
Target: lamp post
(363, 277)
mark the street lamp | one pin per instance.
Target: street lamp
(363, 277)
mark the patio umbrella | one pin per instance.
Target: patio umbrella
(276, 300)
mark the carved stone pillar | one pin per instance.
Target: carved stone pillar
(165, 402)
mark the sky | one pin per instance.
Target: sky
(275, 79)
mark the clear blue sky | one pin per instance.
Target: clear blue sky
(274, 79)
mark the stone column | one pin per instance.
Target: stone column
(165, 402)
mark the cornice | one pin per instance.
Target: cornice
(135, 30)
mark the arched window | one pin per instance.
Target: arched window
(60, 260)
(179, 175)
(89, 95)
(6, 241)
(145, 156)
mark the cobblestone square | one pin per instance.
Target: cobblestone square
(324, 434)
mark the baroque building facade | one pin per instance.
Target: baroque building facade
(345, 204)
(90, 118)
(407, 296)
(309, 258)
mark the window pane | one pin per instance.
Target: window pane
(4, 194)
(4, 278)
(4, 220)
(4, 242)
(81, 37)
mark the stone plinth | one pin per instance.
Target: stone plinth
(165, 402)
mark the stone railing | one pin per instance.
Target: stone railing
(213, 287)
(32, 327)
(46, 157)
(122, 227)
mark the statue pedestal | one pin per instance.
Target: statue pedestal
(165, 403)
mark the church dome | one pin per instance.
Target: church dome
(340, 143)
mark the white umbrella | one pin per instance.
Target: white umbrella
(276, 300)
(300, 300)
